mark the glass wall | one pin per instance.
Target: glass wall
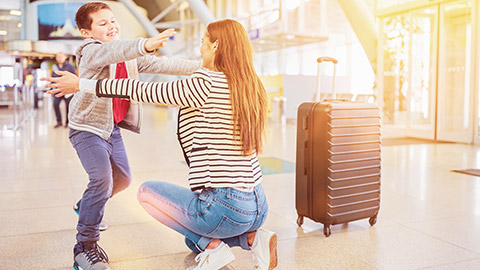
(455, 104)
(396, 40)
(426, 67)
(423, 55)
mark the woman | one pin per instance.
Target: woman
(221, 121)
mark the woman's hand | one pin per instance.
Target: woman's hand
(159, 40)
(68, 83)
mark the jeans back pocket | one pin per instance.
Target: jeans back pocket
(230, 228)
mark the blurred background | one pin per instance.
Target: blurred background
(418, 60)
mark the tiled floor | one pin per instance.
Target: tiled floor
(429, 217)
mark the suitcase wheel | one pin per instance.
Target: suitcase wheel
(372, 220)
(300, 221)
(326, 230)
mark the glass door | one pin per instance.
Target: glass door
(476, 30)
(409, 70)
(455, 102)
(394, 69)
(422, 75)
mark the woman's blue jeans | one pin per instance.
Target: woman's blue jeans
(227, 214)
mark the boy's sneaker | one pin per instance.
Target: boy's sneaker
(89, 256)
(214, 259)
(265, 249)
(103, 226)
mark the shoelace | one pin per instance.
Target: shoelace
(96, 254)
(202, 258)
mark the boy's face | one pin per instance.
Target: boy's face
(104, 26)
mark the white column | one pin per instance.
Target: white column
(201, 11)
(363, 23)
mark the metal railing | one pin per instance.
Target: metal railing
(20, 103)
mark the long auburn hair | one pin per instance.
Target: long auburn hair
(234, 57)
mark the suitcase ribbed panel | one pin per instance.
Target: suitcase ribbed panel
(354, 122)
(353, 182)
(352, 138)
(375, 153)
(367, 195)
(356, 163)
(357, 130)
(339, 209)
(355, 171)
(352, 215)
(354, 147)
(352, 190)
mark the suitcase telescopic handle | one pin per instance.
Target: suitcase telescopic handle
(334, 62)
(327, 59)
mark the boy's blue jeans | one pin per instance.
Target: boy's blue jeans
(224, 213)
(107, 167)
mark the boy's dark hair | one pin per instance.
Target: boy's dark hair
(83, 18)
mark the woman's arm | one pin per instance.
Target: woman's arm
(167, 65)
(190, 92)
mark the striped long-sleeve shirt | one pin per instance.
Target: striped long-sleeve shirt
(205, 127)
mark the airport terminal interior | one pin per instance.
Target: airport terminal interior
(417, 61)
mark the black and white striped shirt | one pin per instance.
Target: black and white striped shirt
(205, 128)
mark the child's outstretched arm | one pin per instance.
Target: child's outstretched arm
(67, 83)
(96, 54)
(159, 41)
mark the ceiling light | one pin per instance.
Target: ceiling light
(3, 32)
(15, 12)
(290, 36)
(19, 25)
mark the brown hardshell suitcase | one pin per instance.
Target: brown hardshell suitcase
(338, 162)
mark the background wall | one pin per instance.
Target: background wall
(129, 26)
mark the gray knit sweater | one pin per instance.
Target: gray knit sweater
(97, 60)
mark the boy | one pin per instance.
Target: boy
(94, 122)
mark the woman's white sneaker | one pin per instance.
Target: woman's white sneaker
(214, 259)
(265, 249)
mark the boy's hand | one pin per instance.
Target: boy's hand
(66, 84)
(159, 40)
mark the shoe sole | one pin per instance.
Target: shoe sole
(273, 252)
(103, 228)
